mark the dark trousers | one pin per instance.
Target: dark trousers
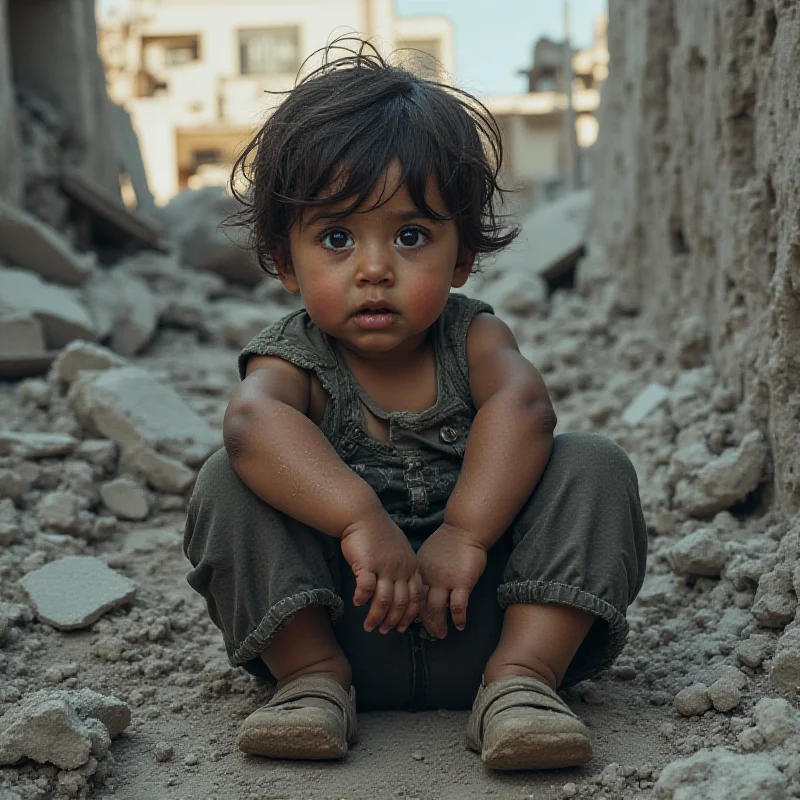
(579, 540)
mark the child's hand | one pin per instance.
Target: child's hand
(385, 568)
(450, 562)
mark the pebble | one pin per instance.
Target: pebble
(164, 752)
(693, 700)
(191, 760)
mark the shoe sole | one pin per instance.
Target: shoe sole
(536, 751)
(294, 744)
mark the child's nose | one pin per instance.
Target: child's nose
(375, 266)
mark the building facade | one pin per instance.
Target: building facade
(197, 76)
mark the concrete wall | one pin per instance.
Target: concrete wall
(697, 204)
(53, 47)
(10, 162)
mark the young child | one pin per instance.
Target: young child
(391, 518)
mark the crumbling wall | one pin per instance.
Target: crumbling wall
(10, 171)
(697, 173)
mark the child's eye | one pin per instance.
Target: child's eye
(336, 239)
(411, 237)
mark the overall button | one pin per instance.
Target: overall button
(448, 434)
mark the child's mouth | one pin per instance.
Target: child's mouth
(374, 318)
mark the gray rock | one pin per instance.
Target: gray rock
(47, 729)
(111, 711)
(75, 591)
(161, 472)
(775, 602)
(693, 700)
(60, 512)
(125, 499)
(80, 355)
(21, 334)
(776, 720)
(719, 774)
(62, 316)
(132, 408)
(241, 321)
(751, 652)
(647, 401)
(724, 695)
(785, 672)
(37, 445)
(725, 480)
(699, 553)
(9, 522)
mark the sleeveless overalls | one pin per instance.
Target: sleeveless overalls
(579, 540)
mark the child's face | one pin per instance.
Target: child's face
(376, 280)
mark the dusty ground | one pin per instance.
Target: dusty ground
(163, 656)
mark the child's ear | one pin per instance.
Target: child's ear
(464, 264)
(283, 265)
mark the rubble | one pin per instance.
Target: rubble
(74, 591)
(125, 499)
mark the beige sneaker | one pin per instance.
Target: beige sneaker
(521, 723)
(312, 717)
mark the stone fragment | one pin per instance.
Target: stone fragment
(161, 472)
(9, 522)
(111, 711)
(785, 672)
(647, 401)
(30, 244)
(719, 774)
(164, 752)
(20, 335)
(515, 293)
(132, 408)
(75, 591)
(80, 355)
(123, 309)
(125, 499)
(59, 512)
(193, 220)
(240, 321)
(776, 720)
(46, 728)
(11, 486)
(724, 695)
(37, 445)
(100, 452)
(775, 603)
(751, 652)
(691, 341)
(699, 553)
(657, 590)
(725, 480)
(189, 310)
(693, 700)
(61, 314)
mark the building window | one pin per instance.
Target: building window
(269, 51)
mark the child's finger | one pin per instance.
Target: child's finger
(381, 603)
(365, 587)
(434, 614)
(415, 595)
(399, 606)
(458, 607)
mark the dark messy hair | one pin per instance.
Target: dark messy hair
(334, 134)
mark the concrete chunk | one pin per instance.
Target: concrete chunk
(20, 335)
(37, 445)
(132, 408)
(125, 499)
(80, 355)
(61, 314)
(647, 401)
(75, 591)
(27, 242)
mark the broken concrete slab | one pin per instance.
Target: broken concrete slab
(240, 322)
(132, 408)
(75, 591)
(125, 499)
(37, 445)
(111, 711)
(193, 220)
(20, 335)
(62, 315)
(29, 243)
(523, 294)
(647, 401)
(725, 480)
(124, 309)
(552, 238)
(80, 355)
(161, 472)
(46, 728)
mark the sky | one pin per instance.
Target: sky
(495, 38)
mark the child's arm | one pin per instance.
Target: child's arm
(510, 439)
(508, 448)
(284, 458)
